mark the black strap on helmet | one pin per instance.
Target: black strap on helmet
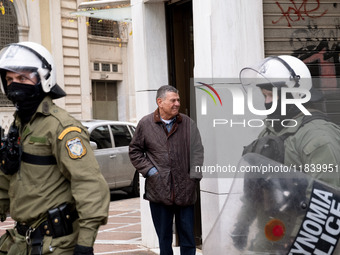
(293, 75)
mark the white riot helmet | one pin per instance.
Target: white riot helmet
(279, 71)
(33, 57)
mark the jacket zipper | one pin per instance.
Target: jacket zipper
(172, 188)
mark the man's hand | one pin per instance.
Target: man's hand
(152, 172)
(83, 250)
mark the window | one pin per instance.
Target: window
(8, 34)
(105, 67)
(114, 68)
(102, 27)
(8, 25)
(132, 129)
(121, 135)
(101, 136)
(96, 67)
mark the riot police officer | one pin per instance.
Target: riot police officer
(301, 141)
(310, 140)
(56, 195)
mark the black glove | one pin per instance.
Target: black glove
(240, 236)
(240, 242)
(83, 250)
(3, 217)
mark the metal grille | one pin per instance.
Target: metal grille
(8, 34)
(105, 67)
(309, 30)
(8, 25)
(96, 66)
(104, 96)
(106, 28)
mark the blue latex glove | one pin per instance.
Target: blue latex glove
(152, 171)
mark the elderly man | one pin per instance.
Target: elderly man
(165, 149)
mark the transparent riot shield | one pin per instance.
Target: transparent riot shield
(274, 209)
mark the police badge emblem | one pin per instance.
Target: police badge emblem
(76, 148)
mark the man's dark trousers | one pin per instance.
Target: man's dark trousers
(162, 216)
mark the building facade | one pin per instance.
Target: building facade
(92, 57)
(214, 39)
(170, 42)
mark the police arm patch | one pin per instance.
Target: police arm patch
(68, 130)
(76, 148)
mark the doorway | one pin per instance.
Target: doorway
(181, 68)
(180, 49)
(104, 100)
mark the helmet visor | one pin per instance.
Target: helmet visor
(268, 74)
(17, 58)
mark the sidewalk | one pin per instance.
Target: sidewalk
(122, 233)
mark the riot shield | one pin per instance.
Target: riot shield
(272, 209)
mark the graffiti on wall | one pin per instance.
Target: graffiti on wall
(320, 47)
(295, 11)
(314, 36)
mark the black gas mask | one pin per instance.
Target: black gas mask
(26, 98)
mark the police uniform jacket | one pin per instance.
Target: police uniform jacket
(311, 145)
(307, 146)
(74, 177)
